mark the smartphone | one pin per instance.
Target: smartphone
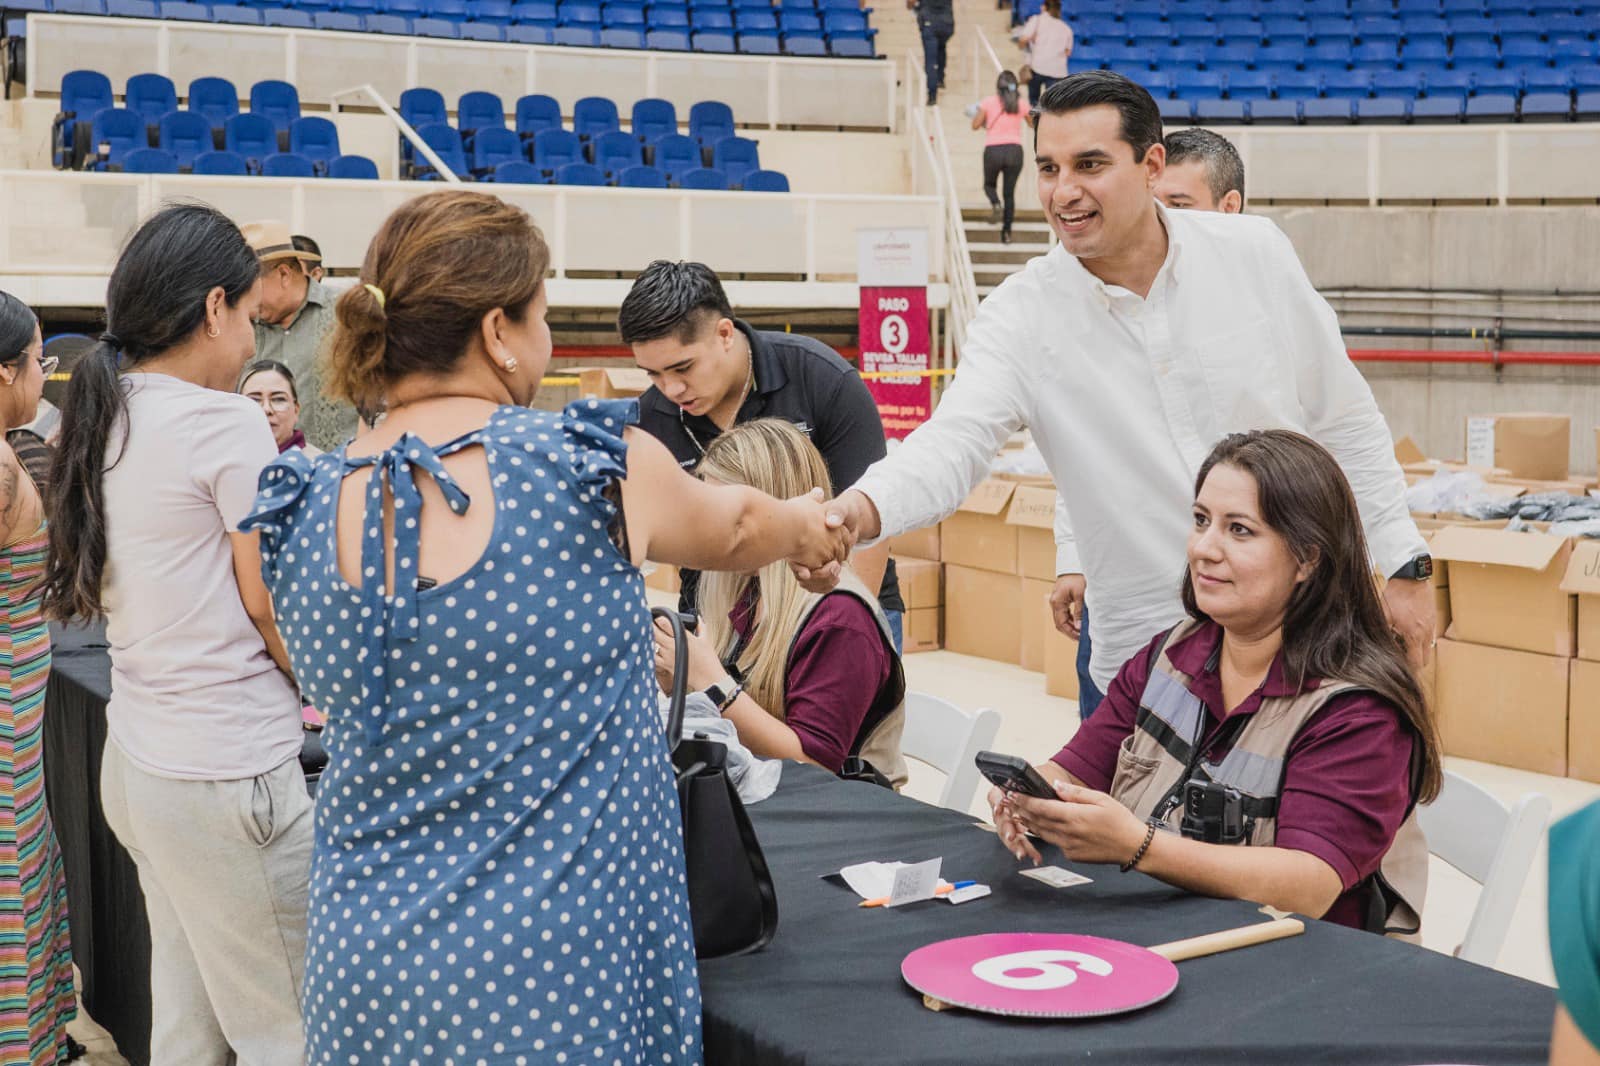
(1013, 775)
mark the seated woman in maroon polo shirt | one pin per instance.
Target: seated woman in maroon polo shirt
(1282, 715)
(801, 676)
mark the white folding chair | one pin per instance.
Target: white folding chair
(1475, 833)
(944, 736)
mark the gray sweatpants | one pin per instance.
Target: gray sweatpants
(223, 865)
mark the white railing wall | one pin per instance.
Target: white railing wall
(762, 90)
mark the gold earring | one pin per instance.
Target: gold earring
(511, 365)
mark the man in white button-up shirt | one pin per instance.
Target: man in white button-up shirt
(1129, 350)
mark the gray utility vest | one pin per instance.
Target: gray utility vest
(881, 746)
(1154, 762)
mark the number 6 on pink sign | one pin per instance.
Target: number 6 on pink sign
(1048, 973)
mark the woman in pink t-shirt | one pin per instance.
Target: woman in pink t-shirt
(1001, 115)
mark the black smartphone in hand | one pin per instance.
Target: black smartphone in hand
(1014, 775)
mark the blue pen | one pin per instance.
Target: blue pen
(959, 885)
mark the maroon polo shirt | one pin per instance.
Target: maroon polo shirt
(1346, 786)
(838, 664)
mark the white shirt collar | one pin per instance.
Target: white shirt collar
(1109, 294)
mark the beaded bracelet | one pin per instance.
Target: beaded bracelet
(1149, 835)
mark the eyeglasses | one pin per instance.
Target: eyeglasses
(277, 402)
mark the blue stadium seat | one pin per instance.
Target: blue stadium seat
(1524, 52)
(353, 168)
(1474, 55)
(446, 144)
(311, 7)
(1546, 107)
(149, 161)
(576, 36)
(580, 174)
(759, 43)
(1346, 85)
(215, 98)
(397, 25)
(751, 5)
(851, 48)
(1379, 31)
(451, 10)
(492, 146)
(1197, 85)
(426, 27)
(1472, 28)
(668, 40)
(1446, 108)
(714, 19)
(519, 173)
(674, 154)
(1332, 30)
(1194, 31)
(1518, 26)
(642, 177)
(1328, 111)
(1279, 57)
(704, 178)
(1275, 112)
(535, 13)
(221, 164)
(841, 24)
(1212, 112)
(1447, 83)
(286, 18)
(623, 16)
(1298, 85)
(184, 11)
(766, 181)
(423, 107)
(622, 37)
(1384, 109)
(1149, 29)
(495, 12)
(717, 42)
(1379, 55)
(710, 121)
(251, 137)
(594, 115)
(1572, 52)
(797, 44)
(747, 20)
(1406, 83)
(338, 20)
(479, 110)
(536, 112)
(1327, 58)
(1461, 7)
(616, 151)
(673, 17)
(1497, 81)
(1176, 112)
(1281, 30)
(1422, 53)
(1240, 30)
(579, 13)
(1227, 55)
(736, 157)
(1588, 106)
(653, 119)
(1249, 85)
(275, 100)
(412, 9)
(1545, 80)
(79, 7)
(150, 96)
(316, 139)
(530, 34)
(287, 165)
(482, 31)
(1183, 55)
(1570, 25)
(185, 135)
(1492, 107)
(235, 15)
(556, 148)
(359, 7)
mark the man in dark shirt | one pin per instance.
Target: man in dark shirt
(936, 23)
(709, 371)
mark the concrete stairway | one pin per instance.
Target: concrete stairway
(993, 262)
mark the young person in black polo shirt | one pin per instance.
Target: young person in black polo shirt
(709, 371)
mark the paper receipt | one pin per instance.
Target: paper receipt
(1055, 876)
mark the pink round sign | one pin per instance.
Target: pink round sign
(1043, 975)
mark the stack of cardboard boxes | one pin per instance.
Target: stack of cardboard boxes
(1516, 679)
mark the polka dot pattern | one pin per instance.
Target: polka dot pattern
(498, 870)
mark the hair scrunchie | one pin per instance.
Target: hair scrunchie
(377, 294)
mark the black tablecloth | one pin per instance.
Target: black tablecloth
(828, 989)
(110, 936)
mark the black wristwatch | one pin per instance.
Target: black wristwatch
(723, 693)
(1419, 568)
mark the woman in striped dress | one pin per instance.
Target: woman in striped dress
(36, 998)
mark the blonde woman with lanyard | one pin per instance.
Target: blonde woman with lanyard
(807, 677)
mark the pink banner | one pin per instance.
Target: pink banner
(895, 339)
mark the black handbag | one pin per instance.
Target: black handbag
(732, 902)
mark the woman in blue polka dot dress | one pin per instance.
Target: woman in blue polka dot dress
(498, 870)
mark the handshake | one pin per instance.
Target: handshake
(831, 529)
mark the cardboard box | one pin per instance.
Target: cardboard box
(1406, 451)
(1061, 667)
(1033, 512)
(1505, 589)
(977, 535)
(1583, 579)
(1532, 445)
(921, 583)
(1503, 707)
(983, 614)
(1038, 625)
(922, 629)
(1573, 486)
(1430, 467)
(610, 382)
(1583, 722)
(917, 544)
(663, 578)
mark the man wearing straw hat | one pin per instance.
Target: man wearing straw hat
(296, 316)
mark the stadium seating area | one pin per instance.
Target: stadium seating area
(150, 134)
(840, 28)
(1218, 61)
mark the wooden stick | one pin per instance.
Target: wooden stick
(1228, 939)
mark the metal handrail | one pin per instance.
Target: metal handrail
(958, 256)
(405, 128)
(978, 53)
